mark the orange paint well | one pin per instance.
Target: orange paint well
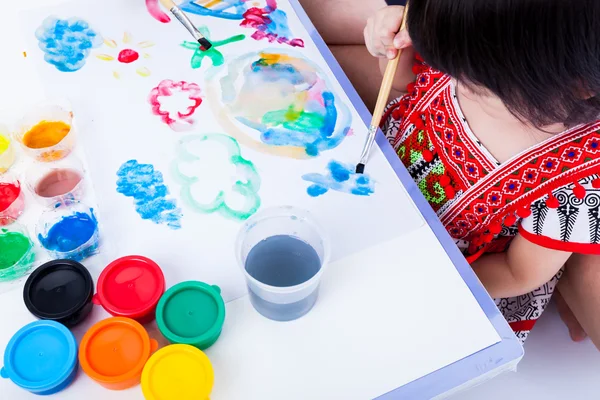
(46, 134)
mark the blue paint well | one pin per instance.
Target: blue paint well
(283, 261)
(70, 233)
(146, 186)
(341, 178)
(67, 43)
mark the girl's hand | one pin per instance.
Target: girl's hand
(381, 33)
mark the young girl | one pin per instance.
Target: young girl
(499, 128)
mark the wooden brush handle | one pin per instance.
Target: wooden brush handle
(388, 80)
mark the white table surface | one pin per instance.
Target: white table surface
(360, 346)
(554, 368)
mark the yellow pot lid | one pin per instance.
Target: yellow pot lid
(178, 372)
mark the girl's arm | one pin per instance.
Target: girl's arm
(524, 267)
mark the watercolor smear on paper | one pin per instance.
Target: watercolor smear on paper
(127, 52)
(4, 143)
(175, 103)
(16, 255)
(67, 43)
(150, 194)
(284, 99)
(268, 21)
(340, 178)
(215, 178)
(7, 153)
(215, 56)
(227, 9)
(157, 13)
(73, 235)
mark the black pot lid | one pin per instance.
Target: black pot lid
(58, 289)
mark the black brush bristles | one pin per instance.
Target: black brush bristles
(360, 168)
(204, 44)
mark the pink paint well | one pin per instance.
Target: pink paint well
(58, 182)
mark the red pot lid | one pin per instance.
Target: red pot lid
(130, 287)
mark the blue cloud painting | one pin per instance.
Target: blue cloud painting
(67, 43)
(340, 178)
(150, 194)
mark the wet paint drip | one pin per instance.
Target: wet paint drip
(46, 134)
(58, 182)
(70, 233)
(147, 187)
(9, 192)
(287, 100)
(234, 196)
(340, 178)
(215, 56)
(13, 246)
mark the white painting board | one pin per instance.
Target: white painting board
(389, 274)
(117, 124)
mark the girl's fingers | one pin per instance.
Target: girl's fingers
(402, 39)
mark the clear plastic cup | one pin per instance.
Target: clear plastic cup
(69, 232)
(275, 246)
(44, 113)
(7, 155)
(57, 183)
(12, 198)
(16, 250)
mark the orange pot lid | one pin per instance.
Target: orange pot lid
(115, 350)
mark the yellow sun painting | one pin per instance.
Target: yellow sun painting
(127, 53)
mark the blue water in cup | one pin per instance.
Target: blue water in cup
(282, 252)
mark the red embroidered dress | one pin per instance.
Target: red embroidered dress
(549, 193)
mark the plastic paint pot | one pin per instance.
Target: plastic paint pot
(61, 182)
(131, 287)
(7, 150)
(12, 198)
(191, 313)
(114, 351)
(41, 358)
(69, 232)
(61, 291)
(46, 133)
(178, 372)
(16, 250)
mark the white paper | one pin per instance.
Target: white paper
(117, 124)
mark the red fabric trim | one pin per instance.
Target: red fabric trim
(474, 257)
(550, 243)
(525, 325)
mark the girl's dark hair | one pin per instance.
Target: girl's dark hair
(540, 57)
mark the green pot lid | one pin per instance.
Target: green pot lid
(191, 313)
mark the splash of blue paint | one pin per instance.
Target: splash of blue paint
(67, 43)
(70, 233)
(227, 9)
(147, 188)
(341, 178)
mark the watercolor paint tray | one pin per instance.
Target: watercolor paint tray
(39, 212)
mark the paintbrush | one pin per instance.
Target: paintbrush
(185, 21)
(382, 99)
